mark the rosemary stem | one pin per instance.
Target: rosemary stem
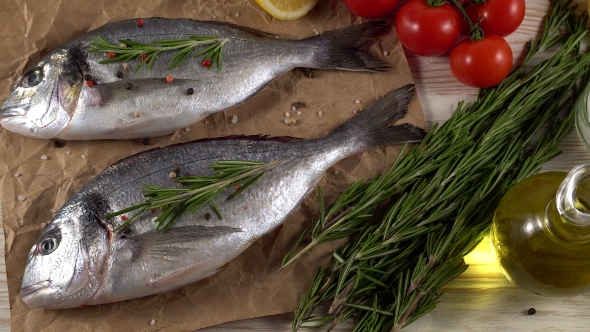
(400, 323)
(335, 219)
(305, 249)
(192, 44)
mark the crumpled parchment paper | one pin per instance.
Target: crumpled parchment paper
(249, 285)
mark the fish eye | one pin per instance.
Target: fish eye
(48, 244)
(33, 77)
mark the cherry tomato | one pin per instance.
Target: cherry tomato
(371, 8)
(499, 17)
(428, 31)
(483, 63)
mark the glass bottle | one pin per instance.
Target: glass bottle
(541, 233)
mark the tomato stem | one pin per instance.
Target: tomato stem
(475, 30)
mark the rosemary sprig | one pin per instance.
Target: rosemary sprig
(146, 53)
(201, 190)
(444, 191)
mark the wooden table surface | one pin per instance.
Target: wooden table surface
(481, 299)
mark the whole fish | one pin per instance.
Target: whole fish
(82, 259)
(54, 100)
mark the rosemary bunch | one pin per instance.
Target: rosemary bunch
(444, 191)
(129, 50)
(198, 191)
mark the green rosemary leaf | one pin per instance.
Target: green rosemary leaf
(126, 42)
(216, 210)
(130, 219)
(129, 50)
(123, 211)
(207, 50)
(308, 302)
(244, 186)
(290, 253)
(378, 253)
(371, 309)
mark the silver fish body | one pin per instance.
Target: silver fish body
(80, 260)
(52, 100)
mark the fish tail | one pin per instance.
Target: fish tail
(371, 127)
(341, 49)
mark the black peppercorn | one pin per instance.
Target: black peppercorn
(207, 215)
(146, 141)
(532, 311)
(128, 86)
(57, 144)
(119, 74)
(87, 77)
(190, 91)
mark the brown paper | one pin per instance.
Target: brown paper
(246, 287)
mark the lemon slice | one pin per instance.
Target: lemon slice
(287, 9)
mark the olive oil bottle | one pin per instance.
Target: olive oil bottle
(541, 233)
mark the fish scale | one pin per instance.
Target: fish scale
(101, 264)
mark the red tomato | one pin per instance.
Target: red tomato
(428, 31)
(371, 8)
(499, 17)
(483, 63)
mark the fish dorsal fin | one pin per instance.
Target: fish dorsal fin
(249, 30)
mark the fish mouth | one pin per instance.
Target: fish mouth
(9, 112)
(27, 291)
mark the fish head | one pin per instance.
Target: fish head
(42, 100)
(66, 264)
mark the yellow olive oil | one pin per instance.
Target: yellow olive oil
(537, 248)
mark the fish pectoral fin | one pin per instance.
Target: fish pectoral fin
(170, 244)
(179, 278)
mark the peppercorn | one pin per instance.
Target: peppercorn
(532, 311)
(190, 91)
(57, 144)
(119, 74)
(128, 86)
(207, 215)
(206, 63)
(140, 22)
(87, 77)
(146, 141)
